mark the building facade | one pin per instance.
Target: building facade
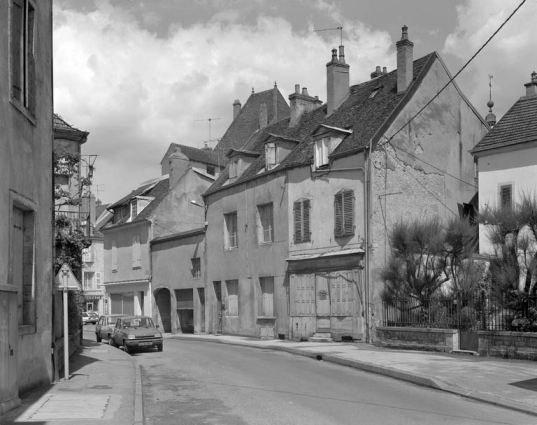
(26, 198)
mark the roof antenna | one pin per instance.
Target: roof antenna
(209, 120)
(333, 29)
(490, 118)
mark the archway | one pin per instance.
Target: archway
(162, 298)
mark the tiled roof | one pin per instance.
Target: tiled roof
(63, 128)
(247, 122)
(196, 154)
(518, 125)
(361, 112)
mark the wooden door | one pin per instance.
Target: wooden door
(201, 293)
(9, 389)
(322, 298)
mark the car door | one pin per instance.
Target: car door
(116, 332)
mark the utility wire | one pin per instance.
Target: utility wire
(457, 74)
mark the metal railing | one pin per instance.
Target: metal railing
(465, 311)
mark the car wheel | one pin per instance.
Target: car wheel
(98, 338)
(111, 342)
(159, 347)
(126, 348)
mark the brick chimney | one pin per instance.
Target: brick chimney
(531, 87)
(337, 80)
(300, 103)
(263, 116)
(274, 104)
(236, 108)
(179, 165)
(405, 62)
(377, 73)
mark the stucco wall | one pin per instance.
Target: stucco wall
(250, 260)
(26, 170)
(405, 187)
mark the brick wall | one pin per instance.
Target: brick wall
(521, 345)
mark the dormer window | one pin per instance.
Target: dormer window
(327, 139)
(270, 155)
(233, 166)
(322, 150)
(134, 208)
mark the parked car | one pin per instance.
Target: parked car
(105, 326)
(89, 317)
(135, 332)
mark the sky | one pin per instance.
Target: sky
(141, 74)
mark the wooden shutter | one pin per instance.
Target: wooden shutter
(297, 212)
(348, 212)
(338, 214)
(306, 234)
(302, 295)
(505, 196)
(17, 16)
(342, 297)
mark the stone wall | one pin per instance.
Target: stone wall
(520, 345)
(428, 339)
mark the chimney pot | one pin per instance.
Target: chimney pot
(297, 88)
(334, 54)
(404, 35)
(384, 70)
(236, 108)
(305, 91)
(531, 87)
(342, 54)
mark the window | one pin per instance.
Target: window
(301, 213)
(344, 213)
(196, 268)
(136, 254)
(21, 261)
(87, 255)
(98, 281)
(476, 168)
(89, 282)
(210, 170)
(232, 288)
(265, 223)
(321, 152)
(230, 230)
(266, 302)
(270, 155)
(233, 169)
(22, 54)
(134, 209)
(114, 256)
(506, 195)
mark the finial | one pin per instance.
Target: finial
(253, 90)
(490, 118)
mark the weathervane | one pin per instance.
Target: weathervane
(333, 29)
(490, 87)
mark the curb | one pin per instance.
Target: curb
(138, 395)
(386, 371)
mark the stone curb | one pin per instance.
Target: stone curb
(383, 370)
(138, 395)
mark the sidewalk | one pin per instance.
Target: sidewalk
(105, 388)
(511, 384)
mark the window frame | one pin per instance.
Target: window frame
(344, 211)
(231, 233)
(501, 187)
(265, 223)
(195, 268)
(266, 299)
(271, 152)
(322, 150)
(302, 220)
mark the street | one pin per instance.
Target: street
(197, 382)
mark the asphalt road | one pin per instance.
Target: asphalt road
(203, 383)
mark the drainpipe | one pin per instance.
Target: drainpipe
(367, 274)
(150, 277)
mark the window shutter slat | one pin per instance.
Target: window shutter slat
(348, 212)
(297, 212)
(338, 214)
(306, 236)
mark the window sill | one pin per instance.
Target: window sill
(345, 235)
(27, 329)
(266, 243)
(266, 317)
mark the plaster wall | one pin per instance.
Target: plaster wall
(26, 173)
(428, 173)
(517, 168)
(96, 266)
(251, 259)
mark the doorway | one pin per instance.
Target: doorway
(164, 308)
(201, 294)
(218, 293)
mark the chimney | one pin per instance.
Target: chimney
(337, 80)
(300, 103)
(263, 116)
(377, 73)
(531, 87)
(236, 108)
(405, 62)
(384, 70)
(179, 165)
(274, 104)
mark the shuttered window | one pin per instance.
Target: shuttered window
(344, 213)
(301, 213)
(266, 305)
(506, 196)
(302, 294)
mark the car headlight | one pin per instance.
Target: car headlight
(158, 335)
(131, 337)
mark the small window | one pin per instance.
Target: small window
(270, 155)
(266, 302)
(321, 152)
(114, 256)
(196, 268)
(344, 213)
(89, 282)
(506, 196)
(265, 223)
(233, 169)
(210, 170)
(87, 255)
(301, 213)
(230, 230)
(374, 93)
(136, 252)
(476, 168)
(134, 209)
(232, 305)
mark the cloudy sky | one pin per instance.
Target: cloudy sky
(141, 74)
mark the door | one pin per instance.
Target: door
(201, 294)
(9, 389)
(165, 309)
(322, 299)
(218, 294)
(302, 303)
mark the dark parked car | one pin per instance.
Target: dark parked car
(135, 332)
(105, 326)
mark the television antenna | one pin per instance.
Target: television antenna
(209, 120)
(334, 29)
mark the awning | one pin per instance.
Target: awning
(346, 259)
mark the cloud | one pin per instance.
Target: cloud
(137, 92)
(508, 57)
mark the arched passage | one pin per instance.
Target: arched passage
(162, 298)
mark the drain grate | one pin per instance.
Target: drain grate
(72, 406)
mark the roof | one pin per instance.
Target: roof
(363, 116)
(195, 154)
(62, 129)
(181, 235)
(247, 121)
(518, 125)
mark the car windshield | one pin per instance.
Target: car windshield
(143, 322)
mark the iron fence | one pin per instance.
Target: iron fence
(465, 311)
